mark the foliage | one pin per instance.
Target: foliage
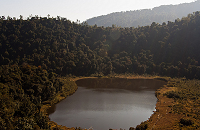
(64, 47)
(142, 126)
(172, 94)
(186, 122)
(23, 89)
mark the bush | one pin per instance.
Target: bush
(142, 126)
(172, 94)
(186, 122)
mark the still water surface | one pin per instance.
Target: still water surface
(107, 103)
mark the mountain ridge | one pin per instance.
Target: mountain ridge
(145, 17)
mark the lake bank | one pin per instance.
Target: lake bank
(163, 117)
(68, 89)
(178, 106)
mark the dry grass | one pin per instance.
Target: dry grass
(175, 108)
(163, 117)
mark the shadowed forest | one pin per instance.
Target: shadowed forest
(36, 54)
(59, 46)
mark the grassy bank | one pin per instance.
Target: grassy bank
(178, 106)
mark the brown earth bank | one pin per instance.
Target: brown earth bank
(166, 117)
(163, 117)
(177, 108)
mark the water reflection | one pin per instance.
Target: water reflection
(108, 103)
(120, 83)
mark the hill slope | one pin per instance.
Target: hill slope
(145, 17)
(64, 48)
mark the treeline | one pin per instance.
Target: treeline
(64, 47)
(145, 17)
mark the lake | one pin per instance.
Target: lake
(102, 103)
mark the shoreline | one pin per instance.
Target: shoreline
(58, 98)
(163, 117)
(154, 121)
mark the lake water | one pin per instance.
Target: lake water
(102, 104)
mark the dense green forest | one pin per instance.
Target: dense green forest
(145, 17)
(64, 47)
(36, 52)
(24, 89)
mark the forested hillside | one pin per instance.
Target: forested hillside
(62, 47)
(145, 17)
(36, 52)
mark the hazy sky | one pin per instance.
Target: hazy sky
(77, 9)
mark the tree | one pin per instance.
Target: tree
(21, 17)
(48, 16)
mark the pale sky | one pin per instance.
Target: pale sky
(77, 9)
